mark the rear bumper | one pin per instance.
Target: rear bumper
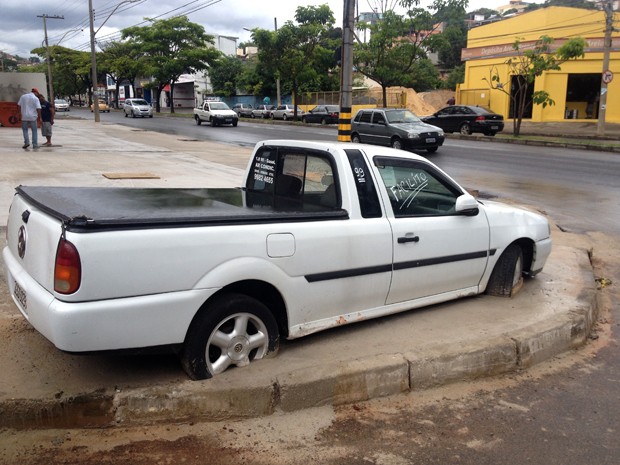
(126, 323)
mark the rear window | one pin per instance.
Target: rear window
(290, 178)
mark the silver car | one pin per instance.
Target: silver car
(61, 104)
(137, 107)
(285, 112)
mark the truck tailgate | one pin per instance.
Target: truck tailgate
(32, 240)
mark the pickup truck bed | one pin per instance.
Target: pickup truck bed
(89, 209)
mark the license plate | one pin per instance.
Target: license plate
(430, 140)
(20, 296)
(228, 120)
(494, 127)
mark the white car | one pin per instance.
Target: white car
(61, 105)
(135, 107)
(322, 234)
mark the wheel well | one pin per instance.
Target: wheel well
(263, 292)
(527, 248)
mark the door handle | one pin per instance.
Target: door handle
(405, 239)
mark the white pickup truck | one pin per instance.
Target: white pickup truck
(216, 114)
(322, 234)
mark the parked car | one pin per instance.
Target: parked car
(467, 119)
(396, 127)
(137, 107)
(285, 112)
(263, 111)
(324, 114)
(103, 107)
(243, 109)
(61, 104)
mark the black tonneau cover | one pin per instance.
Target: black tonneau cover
(95, 209)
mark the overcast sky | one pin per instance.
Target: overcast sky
(21, 22)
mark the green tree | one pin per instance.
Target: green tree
(123, 61)
(301, 54)
(398, 43)
(70, 70)
(225, 74)
(173, 47)
(526, 66)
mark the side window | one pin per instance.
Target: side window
(292, 179)
(446, 111)
(365, 116)
(416, 189)
(378, 118)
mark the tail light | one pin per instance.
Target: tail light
(480, 118)
(67, 269)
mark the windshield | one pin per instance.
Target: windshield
(140, 102)
(218, 106)
(61, 101)
(401, 116)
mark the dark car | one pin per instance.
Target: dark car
(396, 127)
(467, 119)
(324, 114)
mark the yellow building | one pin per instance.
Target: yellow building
(575, 88)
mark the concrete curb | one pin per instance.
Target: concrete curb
(538, 143)
(243, 396)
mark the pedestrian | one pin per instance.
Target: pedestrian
(30, 109)
(47, 120)
(451, 101)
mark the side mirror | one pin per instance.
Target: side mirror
(466, 205)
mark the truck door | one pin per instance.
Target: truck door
(435, 249)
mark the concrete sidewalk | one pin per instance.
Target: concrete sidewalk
(474, 337)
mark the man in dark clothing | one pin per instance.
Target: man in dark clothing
(47, 120)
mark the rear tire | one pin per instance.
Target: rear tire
(431, 149)
(284, 117)
(507, 276)
(465, 129)
(233, 330)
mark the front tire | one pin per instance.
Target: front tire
(355, 139)
(431, 149)
(233, 330)
(198, 120)
(397, 143)
(507, 276)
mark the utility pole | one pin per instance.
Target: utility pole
(607, 75)
(93, 61)
(275, 27)
(50, 86)
(346, 73)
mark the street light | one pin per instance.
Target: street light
(93, 57)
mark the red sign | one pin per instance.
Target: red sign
(608, 76)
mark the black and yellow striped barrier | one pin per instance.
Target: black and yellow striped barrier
(344, 125)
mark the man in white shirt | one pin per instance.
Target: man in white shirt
(30, 109)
